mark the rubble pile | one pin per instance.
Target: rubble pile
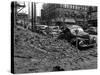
(37, 53)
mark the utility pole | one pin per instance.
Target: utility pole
(33, 16)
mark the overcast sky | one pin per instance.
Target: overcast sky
(38, 8)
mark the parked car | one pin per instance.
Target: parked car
(75, 35)
(53, 30)
(41, 28)
(92, 30)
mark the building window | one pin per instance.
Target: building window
(73, 7)
(68, 6)
(64, 5)
(85, 8)
(76, 7)
(61, 5)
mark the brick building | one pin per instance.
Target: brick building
(63, 13)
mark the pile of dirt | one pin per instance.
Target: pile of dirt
(41, 53)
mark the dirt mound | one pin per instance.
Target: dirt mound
(48, 52)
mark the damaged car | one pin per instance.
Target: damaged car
(75, 35)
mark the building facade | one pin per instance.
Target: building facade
(62, 13)
(92, 16)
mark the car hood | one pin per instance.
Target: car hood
(80, 31)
